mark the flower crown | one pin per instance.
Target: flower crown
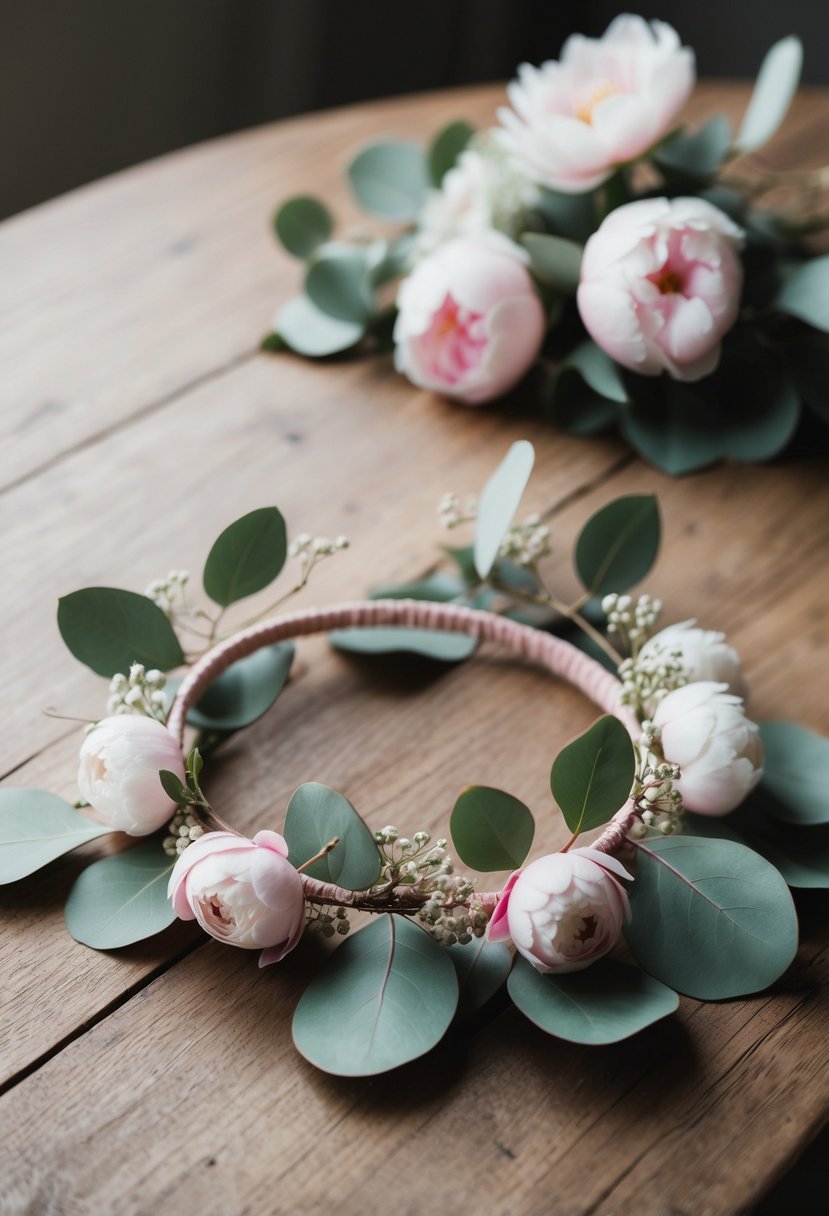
(697, 832)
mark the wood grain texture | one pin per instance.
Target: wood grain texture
(136, 423)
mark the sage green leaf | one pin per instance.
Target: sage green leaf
(337, 282)
(678, 433)
(35, 828)
(800, 854)
(309, 331)
(499, 502)
(574, 216)
(393, 639)
(711, 918)
(246, 691)
(315, 815)
(302, 224)
(598, 371)
(697, 154)
(121, 899)
(774, 89)
(605, 1003)
(390, 178)
(805, 293)
(246, 557)
(618, 545)
(587, 391)
(109, 629)
(385, 997)
(491, 830)
(481, 968)
(795, 773)
(554, 260)
(440, 587)
(445, 149)
(592, 778)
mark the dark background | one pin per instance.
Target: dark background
(91, 86)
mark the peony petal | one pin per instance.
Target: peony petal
(498, 928)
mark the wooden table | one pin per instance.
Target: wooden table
(138, 419)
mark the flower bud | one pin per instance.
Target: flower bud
(703, 653)
(120, 760)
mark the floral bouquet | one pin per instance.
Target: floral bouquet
(663, 292)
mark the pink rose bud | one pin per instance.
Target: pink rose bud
(470, 322)
(718, 750)
(563, 911)
(242, 892)
(605, 102)
(660, 285)
(120, 760)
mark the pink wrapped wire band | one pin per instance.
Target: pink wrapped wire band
(557, 655)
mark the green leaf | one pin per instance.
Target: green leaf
(800, 854)
(774, 89)
(121, 899)
(587, 391)
(393, 639)
(440, 587)
(309, 331)
(246, 557)
(246, 691)
(315, 815)
(174, 787)
(272, 343)
(445, 149)
(554, 260)
(711, 918)
(390, 178)
(697, 154)
(302, 224)
(606, 1002)
(481, 968)
(795, 773)
(597, 370)
(35, 828)
(109, 629)
(491, 830)
(677, 432)
(805, 293)
(574, 216)
(499, 502)
(618, 545)
(592, 778)
(385, 997)
(337, 282)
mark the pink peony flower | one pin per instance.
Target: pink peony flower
(120, 760)
(719, 752)
(242, 892)
(470, 322)
(605, 102)
(563, 911)
(660, 285)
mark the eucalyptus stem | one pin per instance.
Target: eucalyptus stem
(570, 611)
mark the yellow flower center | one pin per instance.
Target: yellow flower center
(584, 112)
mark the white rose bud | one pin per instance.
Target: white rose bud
(120, 761)
(704, 654)
(705, 731)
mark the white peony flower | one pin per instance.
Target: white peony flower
(120, 760)
(703, 653)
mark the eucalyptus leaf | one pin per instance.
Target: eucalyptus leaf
(587, 391)
(592, 777)
(574, 216)
(605, 1003)
(618, 545)
(247, 556)
(774, 89)
(35, 828)
(678, 433)
(712, 918)
(109, 630)
(338, 283)
(245, 691)
(481, 968)
(446, 147)
(309, 331)
(795, 773)
(385, 997)
(302, 224)
(121, 899)
(800, 854)
(393, 639)
(555, 260)
(441, 587)
(390, 178)
(697, 154)
(499, 502)
(805, 293)
(491, 830)
(315, 815)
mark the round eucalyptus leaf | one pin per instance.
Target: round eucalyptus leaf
(481, 968)
(774, 89)
(109, 630)
(592, 777)
(390, 178)
(618, 545)
(440, 587)
(35, 828)
(800, 854)
(555, 260)
(303, 223)
(587, 391)
(574, 216)
(385, 997)
(675, 428)
(121, 899)
(491, 830)
(795, 773)
(393, 639)
(697, 154)
(315, 815)
(446, 147)
(805, 293)
(243, 693)
(337, 282)
(499, 502)
(712, 918)
(605, 1003)
(246, 557)
(313, 333)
